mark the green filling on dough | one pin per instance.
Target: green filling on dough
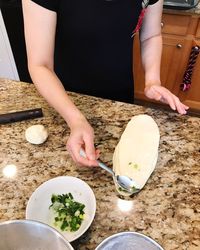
(134, 165)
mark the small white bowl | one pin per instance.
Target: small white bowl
(39, 202)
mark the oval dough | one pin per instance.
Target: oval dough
(36, 134)
(137, 151)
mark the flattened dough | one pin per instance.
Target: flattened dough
(36, 134)
(137, 151)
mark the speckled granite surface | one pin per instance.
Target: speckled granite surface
(167, 209)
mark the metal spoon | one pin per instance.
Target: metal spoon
(126, 183)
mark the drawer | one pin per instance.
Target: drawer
(198, 30)
(175, 24)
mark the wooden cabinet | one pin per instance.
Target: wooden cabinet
(191, 97)
(198, 31)
(172, 66)
(173, 61)
(180, 33)
(175, 25)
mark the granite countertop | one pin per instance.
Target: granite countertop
(167, 209)
(192, 11)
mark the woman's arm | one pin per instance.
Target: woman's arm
(40, 28)
(151, 50)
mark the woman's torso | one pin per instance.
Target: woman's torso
(93, 51)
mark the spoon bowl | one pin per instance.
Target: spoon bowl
(125, 183)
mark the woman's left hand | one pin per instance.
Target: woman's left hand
(162, 94)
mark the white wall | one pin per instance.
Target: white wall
(7, 63)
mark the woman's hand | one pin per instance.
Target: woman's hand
(82, 136)
(151, 51)
(162, 94)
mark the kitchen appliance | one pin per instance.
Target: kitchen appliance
(31, 235)
(180, 4)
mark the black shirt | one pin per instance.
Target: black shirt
(93, 49)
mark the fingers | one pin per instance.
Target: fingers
(185, 107)
(164, 94)
(89, 147)
(74, 145)
(171, 99)
(74, 150)
(97, 153)
(175, 103)
(82, 136)
(179, 106)
(71, 153)
(87, 162)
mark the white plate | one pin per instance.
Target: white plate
(39, 202)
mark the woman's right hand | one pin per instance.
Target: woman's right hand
(82, 136)
(40, 30)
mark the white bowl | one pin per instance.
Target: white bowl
(39, 202)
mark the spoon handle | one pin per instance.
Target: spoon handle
(101, 164)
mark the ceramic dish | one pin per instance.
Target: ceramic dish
(39, 202)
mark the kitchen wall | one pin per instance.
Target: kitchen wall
(7, 63)
(13, 20)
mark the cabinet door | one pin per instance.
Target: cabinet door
(198, 30)
(191, 97)
(174, 60)
(175, 49)
(175, 24)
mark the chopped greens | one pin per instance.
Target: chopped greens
(133, 189)
(134, 165)
(68, 213)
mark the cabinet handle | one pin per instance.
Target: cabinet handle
(179, 46)
(162, 24)
(187, 78)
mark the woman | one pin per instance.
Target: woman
(86, 46)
